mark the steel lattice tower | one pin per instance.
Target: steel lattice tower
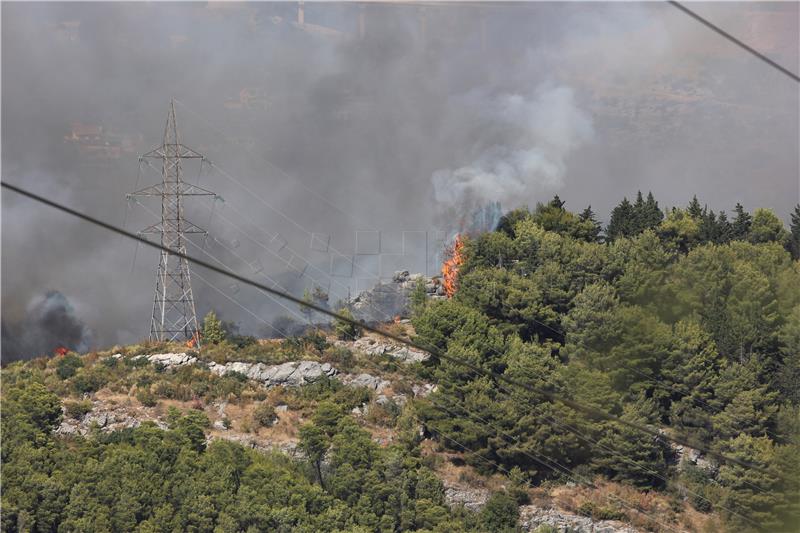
(174, 317)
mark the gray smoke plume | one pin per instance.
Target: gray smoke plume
(340, 114)
(539, 133)
(49, 323)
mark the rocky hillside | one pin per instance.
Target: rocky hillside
(262, 395)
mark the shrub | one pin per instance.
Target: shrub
(500, 513)
(77, 410)
(315, 339)
(599, 513)
(345, 330)
(339, 356)
(68, 366)
(88, 381)
(136, 362)
(213, 332)
(146, 397)
(383, 414)
(264, 415)
(242, 341)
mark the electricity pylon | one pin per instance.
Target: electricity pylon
(174, 317)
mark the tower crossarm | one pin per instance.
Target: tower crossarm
(173, 150)
(182, 188)
(187, 227)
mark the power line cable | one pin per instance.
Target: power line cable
(231, 141)
(500, 468)
(211, 165)
(212, 256)
(577, 406)
(233, 300)
(569, 473)
(648, 378)
(272, 252)
(713, 27)
(676, 387)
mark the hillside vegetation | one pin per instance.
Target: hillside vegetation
(685, 323)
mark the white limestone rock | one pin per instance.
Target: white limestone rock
(365, 380)
(170, 360)
(531, 517)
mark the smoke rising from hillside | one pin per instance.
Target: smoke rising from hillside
(375, 130)
(540, 132)
(49, 323)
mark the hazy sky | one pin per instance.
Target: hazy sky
(377, 117)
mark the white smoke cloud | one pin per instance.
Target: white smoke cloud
(540, 133)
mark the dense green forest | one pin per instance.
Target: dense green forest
(148, 479)
(681, 321)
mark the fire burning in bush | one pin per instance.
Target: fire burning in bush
(451, 266)
(194, 341)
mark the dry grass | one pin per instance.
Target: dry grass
(646, 510)
(693, 520)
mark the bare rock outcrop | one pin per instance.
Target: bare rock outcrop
(472, 498)
(105, 418)
(385, 301)
(374, 347)
(365, 380)
(168, 360)
(292, 374)
(532, 517)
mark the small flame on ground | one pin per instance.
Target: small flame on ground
(191, 343)
(451, 266)
(61, 351)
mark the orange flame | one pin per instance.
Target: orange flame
(61, 351)
(451, 266)
(191, 343)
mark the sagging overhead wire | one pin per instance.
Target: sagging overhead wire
(590, 411)
(734, 40)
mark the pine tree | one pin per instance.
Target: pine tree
(625, 454)
(653, 216)
(741, 223)
(694, 209)
(588, 217)
(639, 214)
(557, 202)
(794, 229)
(708, 227)
(622, 221)
(724, 229)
